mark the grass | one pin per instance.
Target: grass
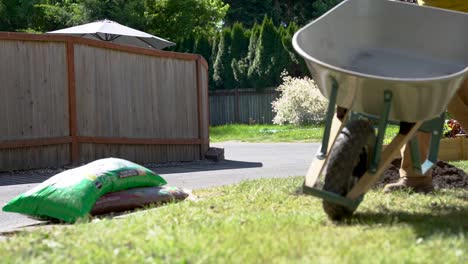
(265, 133)
(262, 221)
(276, 133)
(462, 164)
(390, 133)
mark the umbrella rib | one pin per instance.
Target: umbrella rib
(96, 35)
(147, 42)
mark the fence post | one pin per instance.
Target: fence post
(74, 149)
(199, 103)
(203, 110)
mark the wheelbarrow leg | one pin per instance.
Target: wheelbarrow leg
(317, 167)
(333, 126)
(388, 155)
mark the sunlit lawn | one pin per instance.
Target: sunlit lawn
(275, 133)
(265, 133)
(261, 221)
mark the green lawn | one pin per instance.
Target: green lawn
(462, 164)
(265, 133)
(275, 133)
(262, 221)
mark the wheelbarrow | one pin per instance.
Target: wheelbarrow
(379, 62)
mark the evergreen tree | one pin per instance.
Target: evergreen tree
(214, 47)
(295, 64)
(240, 41)
(268, 62)
(241, 67)
(203, 47)
(223, 75)
(254, 36)
(283, 12)
(247, 11)
(186, 44)
(239, 71)
(322, 6)
(214, 53)
(239, 48)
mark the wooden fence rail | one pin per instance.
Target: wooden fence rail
(66, 99)
(241, 106)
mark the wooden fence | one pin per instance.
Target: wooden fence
(241, 106)
(66, 99)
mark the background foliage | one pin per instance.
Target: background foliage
(247, 43)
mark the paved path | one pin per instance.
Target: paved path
(243, 161)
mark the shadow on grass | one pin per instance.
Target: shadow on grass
(462, 197)
(447, 220)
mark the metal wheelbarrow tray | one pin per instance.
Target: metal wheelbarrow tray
(368, 46)
(389, 60)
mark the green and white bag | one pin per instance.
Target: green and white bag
(71, 195)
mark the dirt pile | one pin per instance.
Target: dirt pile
(445, 176)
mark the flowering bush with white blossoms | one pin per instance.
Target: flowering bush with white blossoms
(300, 102)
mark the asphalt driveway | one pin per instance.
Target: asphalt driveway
(243, 161)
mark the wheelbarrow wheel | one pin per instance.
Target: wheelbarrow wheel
(348, 162)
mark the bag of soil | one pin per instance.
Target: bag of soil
(71, 194)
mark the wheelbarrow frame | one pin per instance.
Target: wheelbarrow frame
(359, 32)
(380, 159)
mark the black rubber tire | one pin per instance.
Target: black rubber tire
(348, 162)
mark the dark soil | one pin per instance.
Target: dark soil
(444, 176)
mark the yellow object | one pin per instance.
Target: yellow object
(458, 5)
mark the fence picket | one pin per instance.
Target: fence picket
(240, 105)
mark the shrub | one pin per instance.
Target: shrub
(300, 102)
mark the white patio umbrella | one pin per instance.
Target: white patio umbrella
(107, 30)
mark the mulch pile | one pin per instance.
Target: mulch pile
(444, 175)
